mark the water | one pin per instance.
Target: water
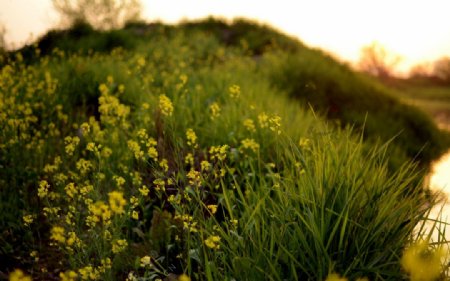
(440, 181)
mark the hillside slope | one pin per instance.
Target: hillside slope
(177, 151)
(330, 88)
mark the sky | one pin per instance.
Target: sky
(417, 30)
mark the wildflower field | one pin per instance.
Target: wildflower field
(179, 158)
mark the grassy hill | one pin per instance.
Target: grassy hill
(191, 151)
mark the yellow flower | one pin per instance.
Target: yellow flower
(35, 255)
(103, 89)
(106, 152)
(120, 181)
(421, 262)
(304, 142)
(263, 119)
(214, 108)
(136, 149)
(249, 144)
(18, 275)
(58, 234)
(119, 245)
(121, 88)
(165, 105)
(116, 202)
(335, 277)
(72, 239)
(184, 277)
(145, 261)
(85, 128)
(84, 166)
(234, 91)
(249, 125)
(160, 184)
(88, 273)
(213, 242)
(212, 208)
(275, 124)
(43, 188)
(189, 159)
(98, 212)
(205, 165)
(144, 190)
(135, 215)
(141, 62)
(27, 219)
(90, 146)
(71, 144)
(68, 275)
(218, 152)
(194, 177)
(164, 165)
(71, 190)
(191, 138)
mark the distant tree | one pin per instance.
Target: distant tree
(376, 61)
(101, 14)
(2, 38)
(441, 69)
(423, 70)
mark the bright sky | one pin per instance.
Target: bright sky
(417, 30)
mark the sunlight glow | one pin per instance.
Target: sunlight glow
(416, 30)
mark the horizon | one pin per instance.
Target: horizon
(417, 31)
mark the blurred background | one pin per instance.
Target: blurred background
(416, 33)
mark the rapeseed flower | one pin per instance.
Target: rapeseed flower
(218, 152)
(144, 190)
(71, 144)
(88, 273)
(263, 120)
(58, 234)
(191, 138)
(335, 277)
(205, 165)
(165, 105)
(27, 219)
(136, 149)
(249, 144)
(184, 277)
(117, 202)
(160, 184)
(275, 124)
(43, 188)
(212, 208)
(145, 261)
(194, 178)
(234, 91)
(249, 125)
(68, 276)
(99, 212)
(189, 159)
(214, 109)
(18, 275)
(213, 242)
(421, 262)
(164, 164)
(119, 246)
(135, 215)
(71, 190)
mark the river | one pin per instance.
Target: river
(440, 181)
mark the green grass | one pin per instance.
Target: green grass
(432, 99)
(297, 197)
(352, 99)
